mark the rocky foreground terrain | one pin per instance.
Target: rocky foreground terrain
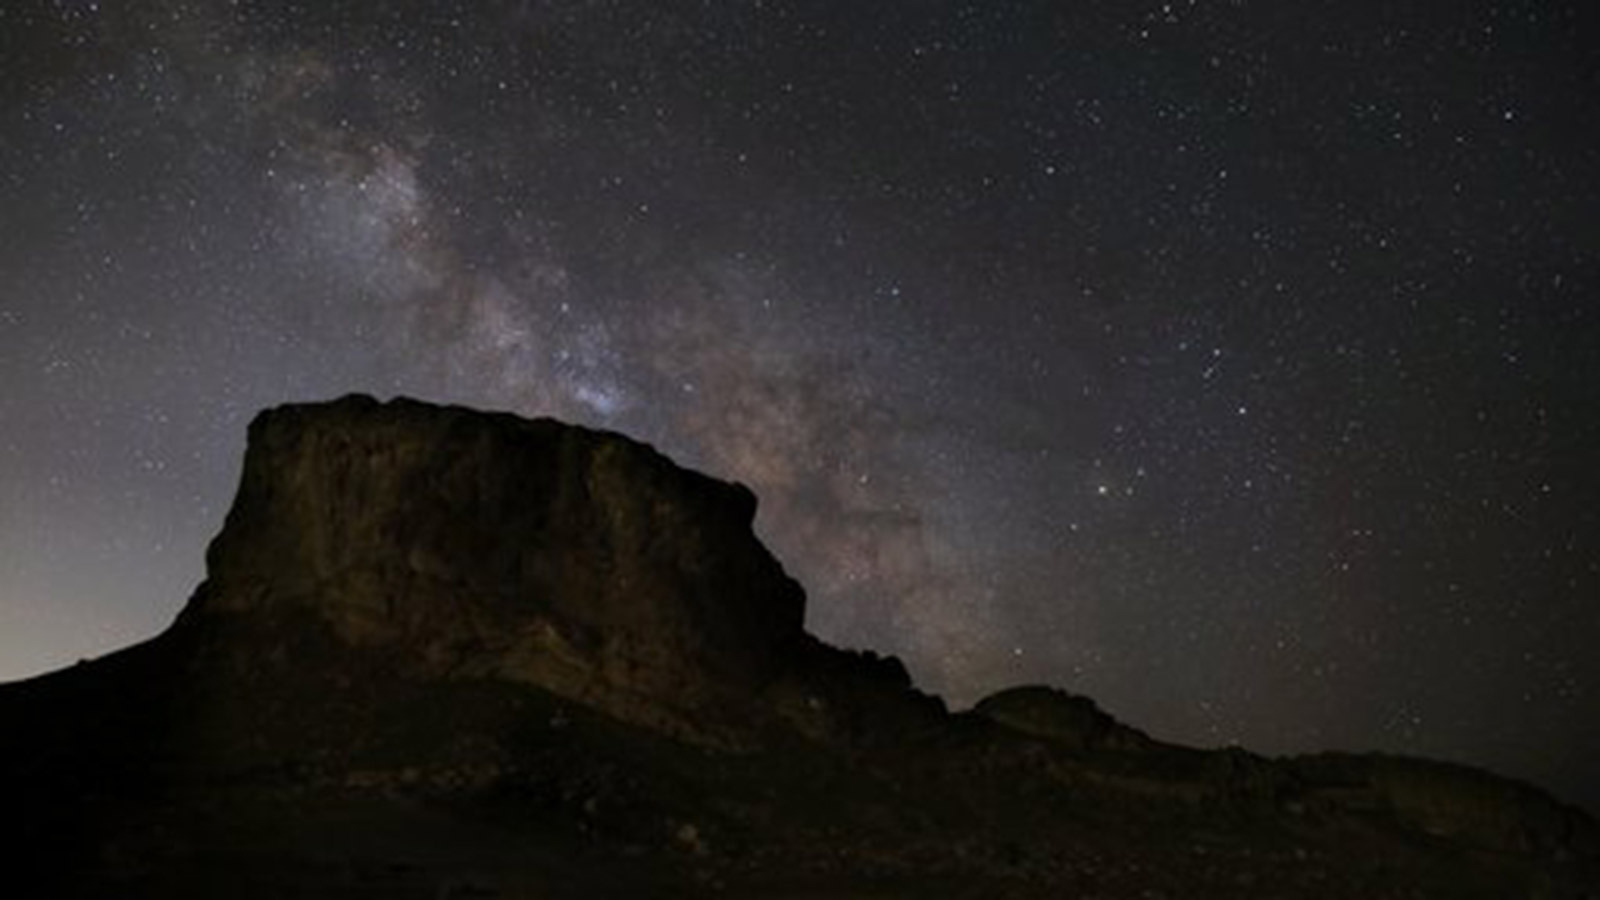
(448, 654)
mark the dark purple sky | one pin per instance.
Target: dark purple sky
(1236, 363)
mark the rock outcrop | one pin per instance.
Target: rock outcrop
(1056, 715)
(472, 545)
(492, 542)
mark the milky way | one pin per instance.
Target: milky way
(1233, 363)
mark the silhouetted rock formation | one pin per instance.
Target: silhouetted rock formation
(486, 546)
(461, 545)
(1055, 715)
(441, 653)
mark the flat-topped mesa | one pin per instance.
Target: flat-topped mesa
(489, 545)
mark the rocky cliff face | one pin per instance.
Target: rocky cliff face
(446, 653)
(489, 546)
(462, 545)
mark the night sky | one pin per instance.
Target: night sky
(1234, 363)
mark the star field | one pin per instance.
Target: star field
(1234, 363)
